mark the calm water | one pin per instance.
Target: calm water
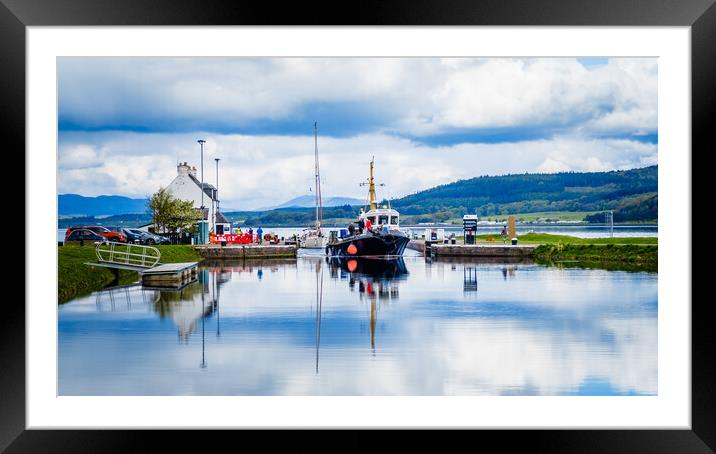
(409, 327)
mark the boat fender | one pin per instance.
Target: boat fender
(352, 249)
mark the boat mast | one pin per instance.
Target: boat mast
(371, 186)
(319, 202)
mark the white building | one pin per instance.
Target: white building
(187, 187)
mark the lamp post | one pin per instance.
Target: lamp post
(201, 144)
(201, 222)
(217, 191)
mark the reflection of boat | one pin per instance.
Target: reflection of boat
(384, 239)
(377, 281)
(373, 268)
(315, 238)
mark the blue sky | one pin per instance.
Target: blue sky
(125, 122)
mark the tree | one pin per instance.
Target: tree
(172, 214)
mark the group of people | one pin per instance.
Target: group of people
(259, 233)
(362, 226)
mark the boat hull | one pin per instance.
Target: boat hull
(392, 243)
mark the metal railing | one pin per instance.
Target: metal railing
(128, 254)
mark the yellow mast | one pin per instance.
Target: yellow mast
(371, 187)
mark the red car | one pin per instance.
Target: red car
(104, 231)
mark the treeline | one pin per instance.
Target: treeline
(631, 194)
(290, 216)
(118, 220)
(645, 210)
(529, 193)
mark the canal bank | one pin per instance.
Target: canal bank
(74, 278)
(551, 248)
(246, 251)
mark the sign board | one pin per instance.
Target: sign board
(511, 227)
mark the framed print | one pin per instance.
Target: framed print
(410, 217)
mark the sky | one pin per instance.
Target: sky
(124, 123)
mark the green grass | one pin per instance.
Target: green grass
(547, 238)
(74, 278)
(645, 256)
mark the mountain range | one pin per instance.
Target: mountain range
(103, 205)
(631, 194)
(309, 201)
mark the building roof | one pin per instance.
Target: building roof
(209, 190)
(221, 219)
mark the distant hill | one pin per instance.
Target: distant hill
(631, 194)
(309, 201)
(77, 205)
(621, 191)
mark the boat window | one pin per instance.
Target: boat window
(394, 220)
(383, 219)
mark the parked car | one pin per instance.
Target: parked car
(100, 230)
(133, 236)
(81, 237)
(150, 238)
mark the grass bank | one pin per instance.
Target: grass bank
(644, 256)
(74, 278)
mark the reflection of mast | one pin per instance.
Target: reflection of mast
(372, 325)
(319, 304)
(203, 318)
(216, 303)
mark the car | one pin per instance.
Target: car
(81, 237)
(100, 230)
(150, 238)
(133, 237)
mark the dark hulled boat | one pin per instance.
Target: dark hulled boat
(379, 243)
(385, 239)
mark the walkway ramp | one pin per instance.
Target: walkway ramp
(145, 261)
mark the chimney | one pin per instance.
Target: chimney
(185, 169)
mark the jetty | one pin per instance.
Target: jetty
(482, 250)
(145, 261)
(246, 251)
(447, 248)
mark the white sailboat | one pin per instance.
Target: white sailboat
(315, 238)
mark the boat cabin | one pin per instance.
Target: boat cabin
(381, 217)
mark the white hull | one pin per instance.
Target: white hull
(312, 242)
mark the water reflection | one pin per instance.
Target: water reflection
(355, 326)
(377, 281)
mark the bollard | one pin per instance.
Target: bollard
(514, 241)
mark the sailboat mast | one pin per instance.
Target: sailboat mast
(371, 186)
(319, 202)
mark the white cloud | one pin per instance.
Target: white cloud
(259, 171)
(417, 95)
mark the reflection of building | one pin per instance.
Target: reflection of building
(469, 279)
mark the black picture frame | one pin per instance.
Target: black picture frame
(700, 15)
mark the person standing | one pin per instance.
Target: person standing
(504, 234)
(361, 225)
(351, 229)
(251, 234)
(260, 233)
(368, 225)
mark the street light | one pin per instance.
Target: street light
(201, 144)
(217, 191)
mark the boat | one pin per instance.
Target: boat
(315, 238)
(385, 238)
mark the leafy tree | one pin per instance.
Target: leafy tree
(172, 214)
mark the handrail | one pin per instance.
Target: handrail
(112, 252)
